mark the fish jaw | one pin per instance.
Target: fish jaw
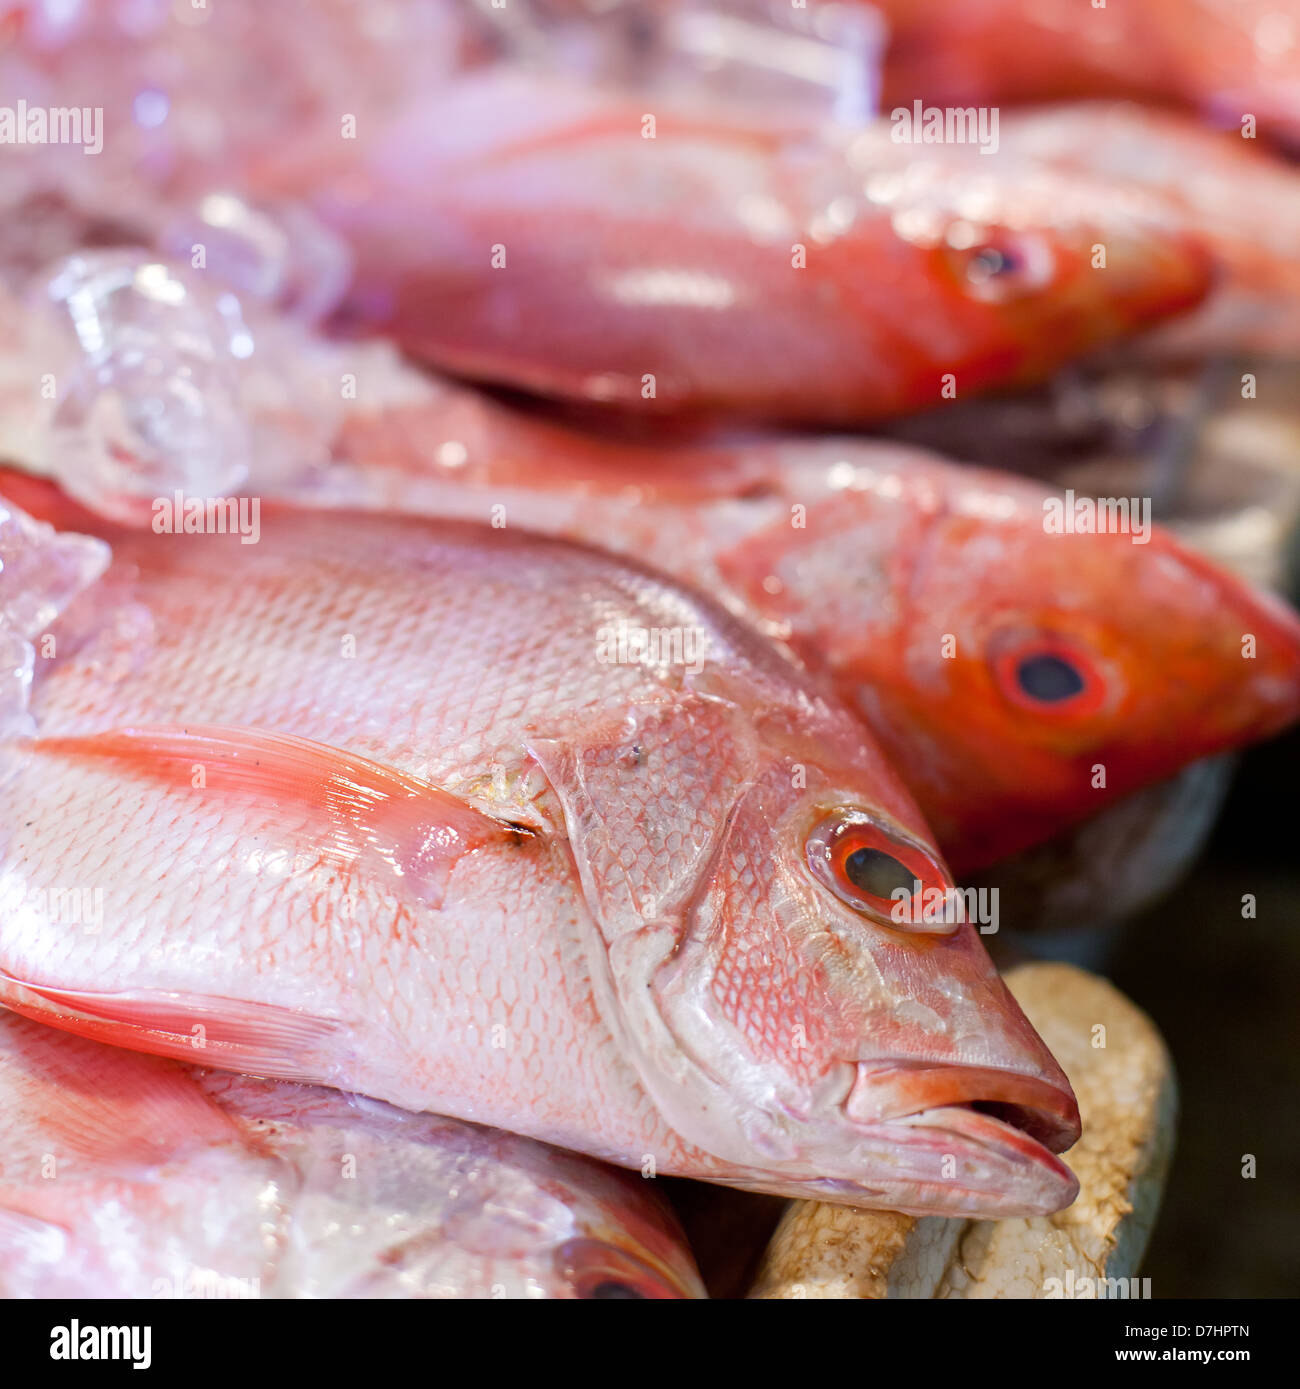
(1043, 1109)
(924, 1137)
(1267, 700)
(953, 1161)
(997, 1159)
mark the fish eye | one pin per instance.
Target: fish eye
(1048, 678)
(1050, 675)
(600, 1272)
(878, 871)
(989, 261)
(1001, 265)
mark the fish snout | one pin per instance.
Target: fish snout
(1043, 1109)
(1275, 682)
(1154, 271)
(972, 1141)
(1258, 634)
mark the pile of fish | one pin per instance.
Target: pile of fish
(508, 669)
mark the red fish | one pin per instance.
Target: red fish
(508, 829)
(590, 245)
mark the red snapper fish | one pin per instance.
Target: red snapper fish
(600, 246)
(500, 827)
(124, 1175)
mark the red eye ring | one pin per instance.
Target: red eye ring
(882, 873)
(1049, 675)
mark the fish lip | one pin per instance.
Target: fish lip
(1023, 1178)
(1045, 1111)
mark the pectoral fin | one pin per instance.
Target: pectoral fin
(359, 812)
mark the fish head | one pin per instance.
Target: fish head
(626, 1243)
(1070, 668)
(1017, 266)
(1020, 672)
(792, 972)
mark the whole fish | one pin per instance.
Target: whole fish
(508, 829)
(931, 593)
(124, 1175)
(610, 248)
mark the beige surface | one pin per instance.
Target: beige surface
(1128, 1098)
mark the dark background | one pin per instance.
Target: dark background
(1226, 994)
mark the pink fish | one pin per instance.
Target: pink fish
(129, 1176)
(606, 247)
(504, 828)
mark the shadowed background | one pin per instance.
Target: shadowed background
(1226, 994)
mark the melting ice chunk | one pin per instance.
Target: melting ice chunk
(282, 255)
(164, 381)
(150, 401)
(41, 571)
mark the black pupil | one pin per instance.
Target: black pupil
(990, 262)
(877, 873)
(1048, 679)
(610, 1289)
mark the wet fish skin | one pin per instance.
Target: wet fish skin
(124, 1175)
(475, 869)
(531, 235)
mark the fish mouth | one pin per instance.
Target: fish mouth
(1044, 1110)
(970, 1140)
